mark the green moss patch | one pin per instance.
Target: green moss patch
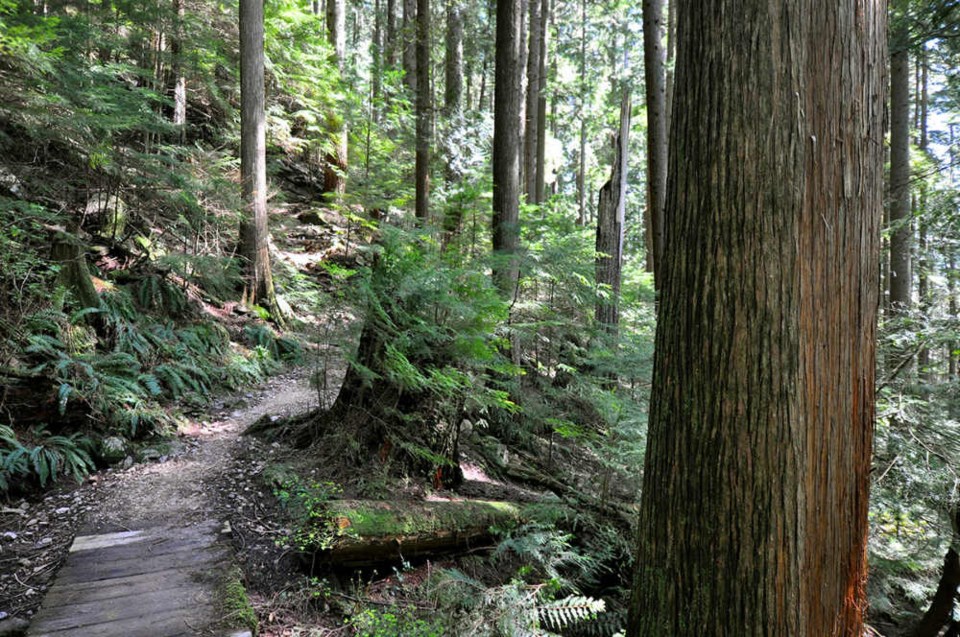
(234, 605)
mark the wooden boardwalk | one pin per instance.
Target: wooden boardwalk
(153, 582)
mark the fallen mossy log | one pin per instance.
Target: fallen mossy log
(360, 533)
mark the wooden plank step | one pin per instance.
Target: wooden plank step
(181, 599)
(145, 549)
(86, 542)
(155, 582)
(174, 623)
(105, 540)
(119, 588)
(86, 572)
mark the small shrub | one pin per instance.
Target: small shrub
(306, 505)
(394, 622)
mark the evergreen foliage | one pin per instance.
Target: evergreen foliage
(443, 365)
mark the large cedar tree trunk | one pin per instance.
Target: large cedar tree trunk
(506, 146)
(254, 246)
(753, 516)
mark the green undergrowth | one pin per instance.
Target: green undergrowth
(117, 371)
(449, 372)
(41, 456)
(528, 585)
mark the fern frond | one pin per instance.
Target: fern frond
(63, 395)
(560, 613)
(151, 383)
(8, 437)
(79, 315)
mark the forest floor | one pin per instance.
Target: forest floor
(210, 472)
(207, 471)
(197, 478)
(193, 480)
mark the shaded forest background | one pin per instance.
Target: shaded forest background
(126, 303)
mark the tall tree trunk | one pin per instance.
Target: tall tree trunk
(582, 157)
(390, 45)
(524, 55)
(540, 185)
(506, 146)
(453, 109)
(409, 37)
(611, 222)
(179, 79)
(885, 241)
(335, 172)
(753, 518)
(453, 61)
(901, 238)
(924, 292)
(654, 79)
(531, 137)
(424, 111)
(376, 56)
(254, 246)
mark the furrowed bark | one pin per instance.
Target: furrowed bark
(753, 514)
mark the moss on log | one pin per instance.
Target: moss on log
(368, 532)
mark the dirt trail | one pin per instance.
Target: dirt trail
(175, 493)
(180, 491)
